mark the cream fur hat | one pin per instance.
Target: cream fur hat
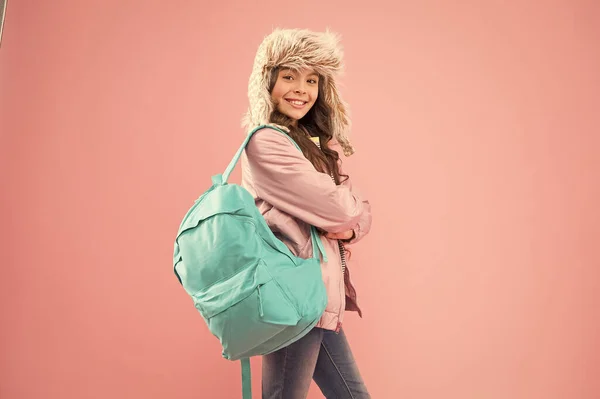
(298, 49)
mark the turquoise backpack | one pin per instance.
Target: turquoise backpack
(253, 293)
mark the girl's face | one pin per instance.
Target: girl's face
(295, 93)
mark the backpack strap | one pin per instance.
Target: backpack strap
(317, 244)
(246, 379)
(238, 154)
(222, 179)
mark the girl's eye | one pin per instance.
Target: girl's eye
(312, 81)
(288, 77)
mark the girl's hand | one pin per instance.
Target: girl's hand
(346, 235)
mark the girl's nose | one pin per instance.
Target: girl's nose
(300, 88)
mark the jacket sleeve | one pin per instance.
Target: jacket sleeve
(364, 222)
(287, 180)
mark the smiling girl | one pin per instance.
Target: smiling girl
(293, 86)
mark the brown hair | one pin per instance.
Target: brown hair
(316, 123)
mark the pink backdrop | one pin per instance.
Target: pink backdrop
(478, 143)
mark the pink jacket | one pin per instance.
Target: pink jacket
(292, 195)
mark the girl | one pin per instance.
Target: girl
(293, 87)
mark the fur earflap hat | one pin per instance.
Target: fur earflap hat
(299, 49)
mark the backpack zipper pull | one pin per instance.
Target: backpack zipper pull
(260, 305)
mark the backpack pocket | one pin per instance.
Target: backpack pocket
(274, 305)
(243, 319)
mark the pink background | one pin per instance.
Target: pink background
(476, 125)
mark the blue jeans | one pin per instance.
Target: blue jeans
(322, 355)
